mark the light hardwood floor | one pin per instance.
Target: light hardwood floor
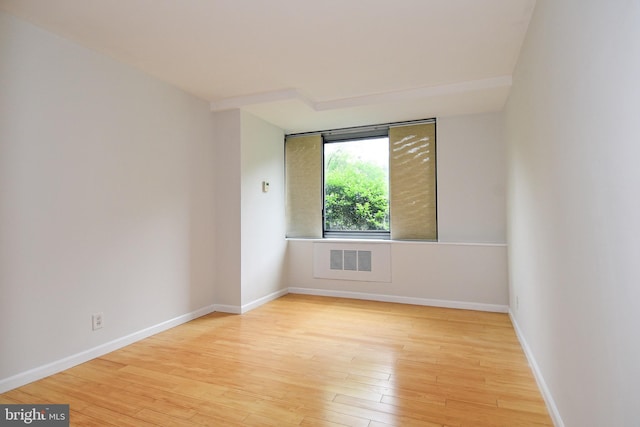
(310, 361)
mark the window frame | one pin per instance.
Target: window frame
(345, 135)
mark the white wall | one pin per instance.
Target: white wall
(250, 244)
(471, 179)
(443, 274)
(228, 209)
(573, 206)
(263, 217)
(106, 199)
(471, 183)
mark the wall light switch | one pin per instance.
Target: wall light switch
(265, 186)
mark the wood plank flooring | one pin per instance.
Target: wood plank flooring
(309, 361)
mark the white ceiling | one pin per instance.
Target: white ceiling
(308, 65)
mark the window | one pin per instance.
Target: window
(366, 182)
(356, 188)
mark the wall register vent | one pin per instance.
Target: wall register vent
(351, 260)
(367, 262)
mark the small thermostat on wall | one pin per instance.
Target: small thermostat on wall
(265, 186)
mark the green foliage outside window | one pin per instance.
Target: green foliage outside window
(356, 194)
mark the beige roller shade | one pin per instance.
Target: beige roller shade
(303, 175)
(412, 182)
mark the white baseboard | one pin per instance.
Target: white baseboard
(76, 359)
(237, 309)
(260, 301)
(542, 385)
(496, 308)
(231, 309)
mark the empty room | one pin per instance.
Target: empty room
(360, 213)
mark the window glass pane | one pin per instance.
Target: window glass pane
(356, 185)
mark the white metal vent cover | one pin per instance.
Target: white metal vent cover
(350, 260)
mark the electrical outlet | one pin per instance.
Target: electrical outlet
(96, 320)
(517, 303)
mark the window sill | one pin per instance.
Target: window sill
(401, 242)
